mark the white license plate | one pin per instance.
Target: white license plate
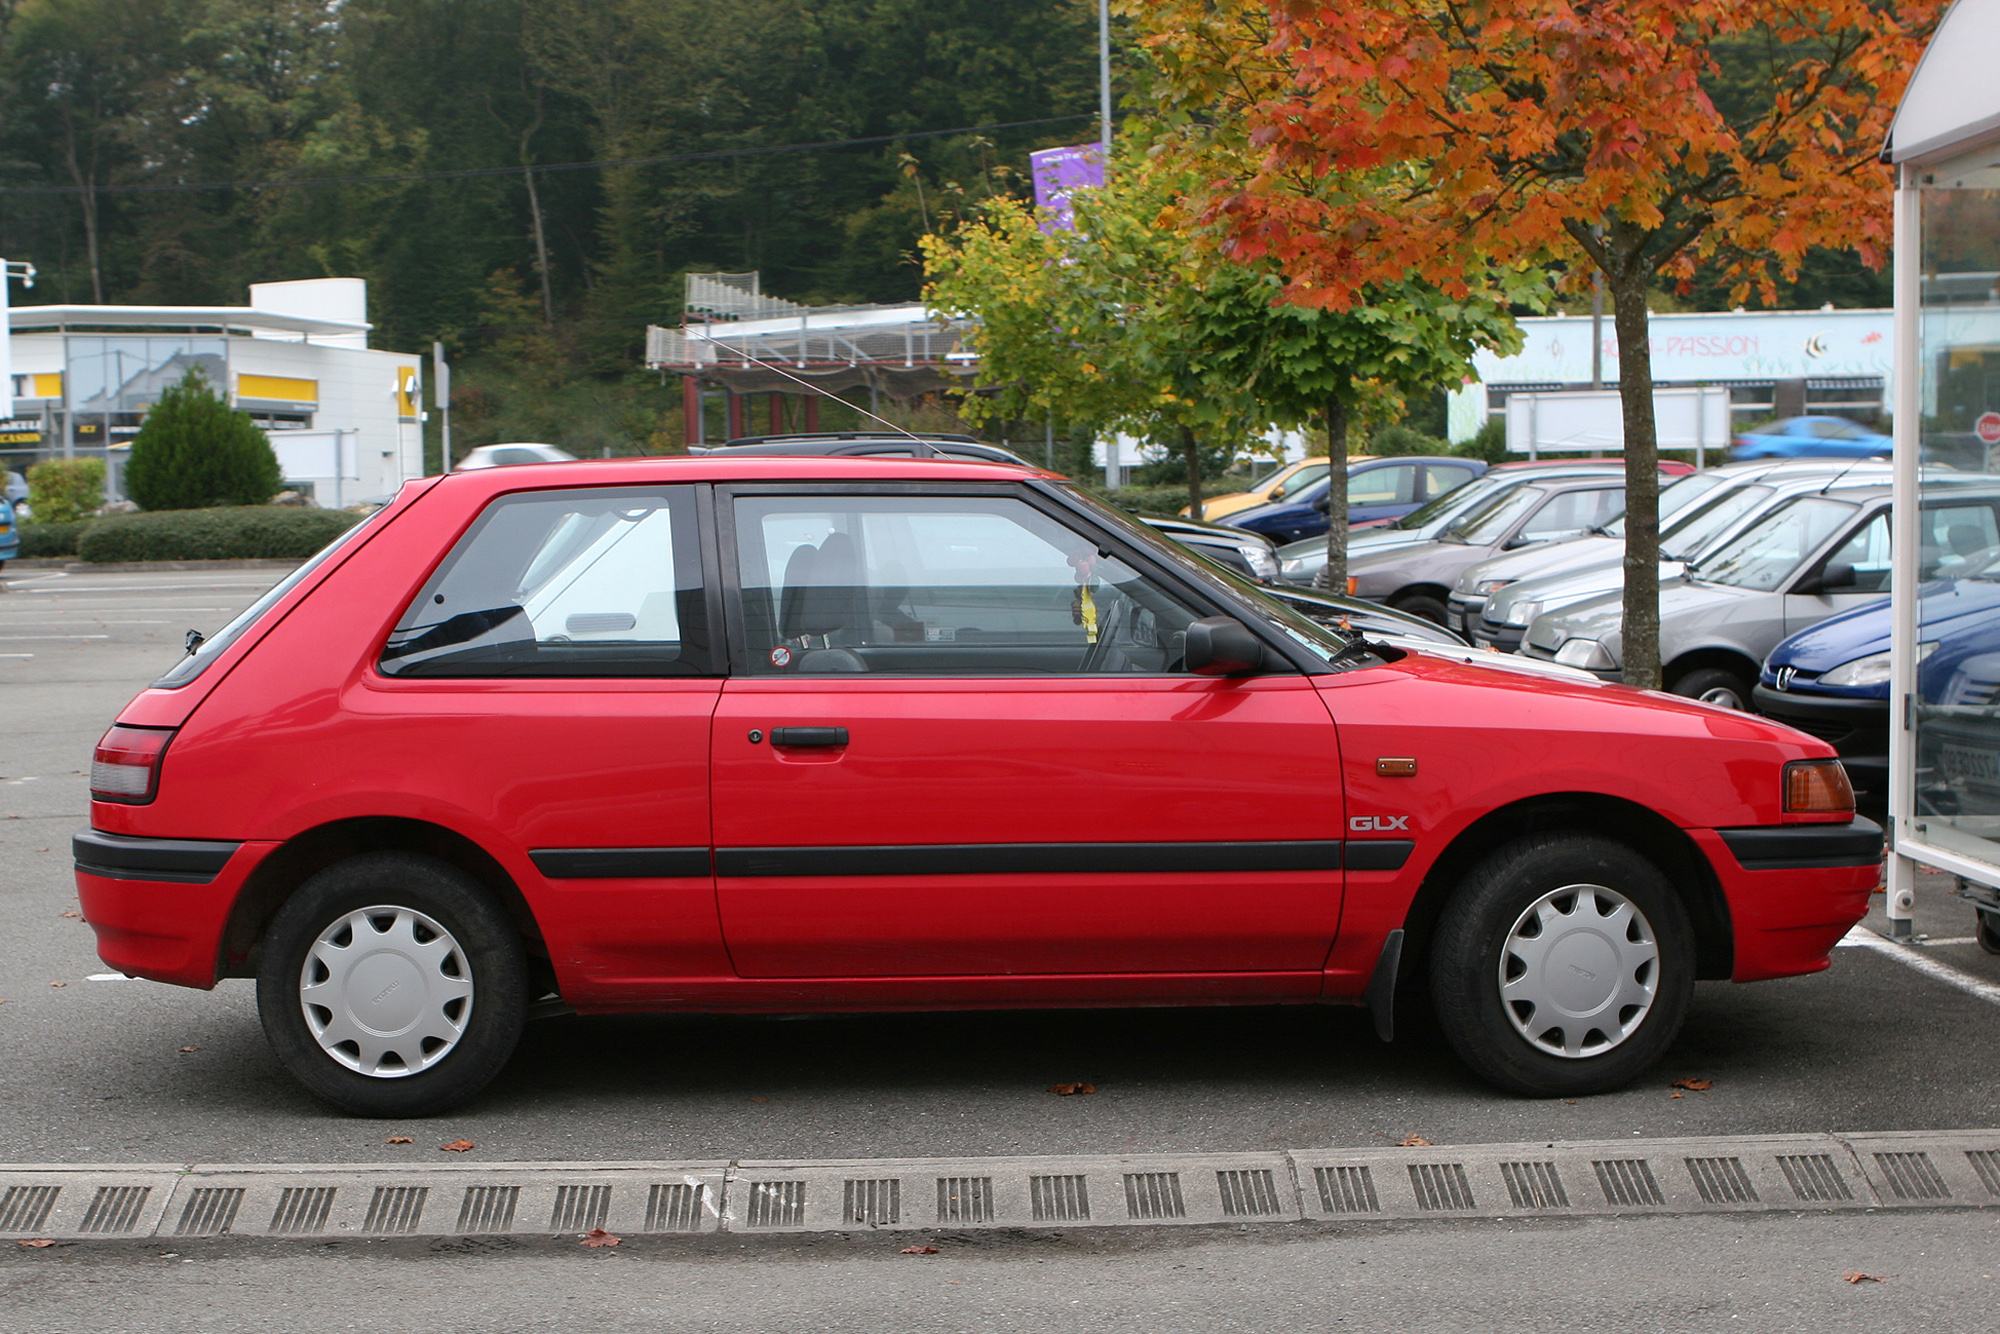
(1965, 762)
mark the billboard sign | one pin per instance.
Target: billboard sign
(1059, 173)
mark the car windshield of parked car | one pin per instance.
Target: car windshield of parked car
(1458, 500)
(1765, 554)
(1694, 529)
(1492, 521)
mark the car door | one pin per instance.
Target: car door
(551, 686)
(958, 740)
(1385, 492)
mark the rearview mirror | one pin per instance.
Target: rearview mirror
(1277, 493)
(1831, 579)
(1222, 646)
(1324, 504)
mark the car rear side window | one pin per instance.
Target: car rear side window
(604, 582)
(942, 586)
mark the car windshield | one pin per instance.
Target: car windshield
(1694, 529)
(1765, 554)
(1455, 501)
(1333, 647)
(1490, 522)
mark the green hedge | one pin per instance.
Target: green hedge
(1165, 501)
(39, 540)
(245, 532)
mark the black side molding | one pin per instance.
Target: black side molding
(1799, 847)
(619, 863)
(188, 861)
(1032, 859)
(1378, 854)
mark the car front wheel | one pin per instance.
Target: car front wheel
(1563, 965)
(1714, 685)
(391, 984)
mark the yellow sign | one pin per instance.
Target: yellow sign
(282, 388)
(406, 391)
(48, 386)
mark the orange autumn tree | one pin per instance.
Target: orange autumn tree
(1385, 139)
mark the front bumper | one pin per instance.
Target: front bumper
(1465, 614)
(1857, 729)
(1793, 890)
(159, 905)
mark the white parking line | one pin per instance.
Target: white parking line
(15, 639)
(1929, 967)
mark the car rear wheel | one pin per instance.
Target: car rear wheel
(1423, 604)
(1714, 685)
(392, 984)
(1563, 965)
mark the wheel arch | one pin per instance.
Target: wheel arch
(1644, 831)
(1695, 659)
(307, 853)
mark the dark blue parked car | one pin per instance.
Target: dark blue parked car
(1376, 489)
(1811, 438)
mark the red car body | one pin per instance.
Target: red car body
(980, 843)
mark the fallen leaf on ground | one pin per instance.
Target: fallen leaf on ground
(37, 1243)
(597, 1236)
(1694, 1085)
(1064, 1090)
(920, 1250)
(190, 1049)
(1856, 1276)
(1677, 1095)
(77, 915)
(456, 1146)
(58, 984)
(399, 1139)
(1414, 1141)
(1570, 1101)
(760, 1100)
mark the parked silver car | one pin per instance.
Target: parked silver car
(1498, 609)
(1814, 555)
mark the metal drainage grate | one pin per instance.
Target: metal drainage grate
(776, 1204)
(26, 1208)
(1534, 1186)
(1248, 1194)
(209, 1211)
(580, 1208)
(1986, 1162)
(1441, 1186)
(965, 1199)
(1912, 1176)
(302, 1210)
(1346, 1190)
(1154, 1195)
(115, 1209)
(1722, 1180)
(1059, 1199)
(1812, 1176)
(873, 1203)
(1628, 1182)
(395, 1209)
(488, 1209)
(674, 1208)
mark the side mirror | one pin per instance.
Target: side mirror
(1222, 646)
(1277, 493)
(1833, 578)
(1324, 504)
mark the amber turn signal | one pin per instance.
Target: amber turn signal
(1817, 786)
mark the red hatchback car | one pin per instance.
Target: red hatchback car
(786, 734)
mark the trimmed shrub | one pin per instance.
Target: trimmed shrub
(1163, 501)
(235, 533)
(65, 490)
(193, 451)
(40, 541)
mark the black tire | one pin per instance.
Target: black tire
(489, 956)
(1424, 605)
(1714, 685)
(1473, 946)
(1986, 930)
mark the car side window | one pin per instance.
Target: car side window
(603, 582)
(942, 586)
(1445, 477)
(1954, 537)
(1867, 553)
(1573, 512)
(1383, 486)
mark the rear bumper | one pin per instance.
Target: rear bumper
(159, 905)
(1793, 890)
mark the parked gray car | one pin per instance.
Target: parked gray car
(1814, 555)
(1418, 579)
(1498, 609)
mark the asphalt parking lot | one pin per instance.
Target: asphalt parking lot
(112, 1070)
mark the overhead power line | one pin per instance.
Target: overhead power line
(466, 173)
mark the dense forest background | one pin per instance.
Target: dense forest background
(474, 160)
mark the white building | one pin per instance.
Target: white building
(342, 416)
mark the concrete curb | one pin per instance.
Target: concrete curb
(1739, 1174)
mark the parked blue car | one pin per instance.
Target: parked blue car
(10, 532)
(1376, 489)
(1811, 438)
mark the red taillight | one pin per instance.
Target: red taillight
(126, 766)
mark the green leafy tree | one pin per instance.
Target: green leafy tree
(66, 490)
(194, 451)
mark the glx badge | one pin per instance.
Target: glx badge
(1362, 824)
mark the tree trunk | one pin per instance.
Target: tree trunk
(1336, 495)
(1191, 448)
(86, 184)
(1640, 655)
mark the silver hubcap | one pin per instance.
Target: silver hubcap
(1579, 971)
(386, 992)
(1723, 697)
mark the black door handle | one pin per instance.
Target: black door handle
(809, 736)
